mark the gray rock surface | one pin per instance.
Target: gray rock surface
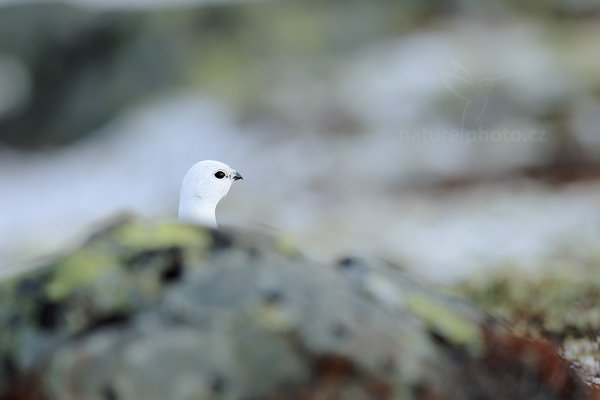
(165, 311)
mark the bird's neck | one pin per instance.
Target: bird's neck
(197, 210)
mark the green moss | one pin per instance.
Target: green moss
(558, 304)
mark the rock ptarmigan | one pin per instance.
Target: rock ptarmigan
(204, 185)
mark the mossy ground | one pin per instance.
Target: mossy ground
(561, 305)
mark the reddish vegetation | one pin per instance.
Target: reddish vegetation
(527, 365)
(334, 377)
(333, 374)
(26, 388)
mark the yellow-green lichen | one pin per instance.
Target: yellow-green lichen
(107, 253)
(79, 270)
(455, 328)
(274, 318)
(287, 245)
(161, 235)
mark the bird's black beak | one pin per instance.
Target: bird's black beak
(237, 176)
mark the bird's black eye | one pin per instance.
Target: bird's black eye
(219, 174)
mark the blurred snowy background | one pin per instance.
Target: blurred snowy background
(449, 136)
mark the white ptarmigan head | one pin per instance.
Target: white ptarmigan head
(204, 185)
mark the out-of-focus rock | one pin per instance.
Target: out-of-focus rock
(87, 64)
(159, 310)
(82, 67)
(14, 85)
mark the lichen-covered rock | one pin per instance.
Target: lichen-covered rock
(166, 311)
